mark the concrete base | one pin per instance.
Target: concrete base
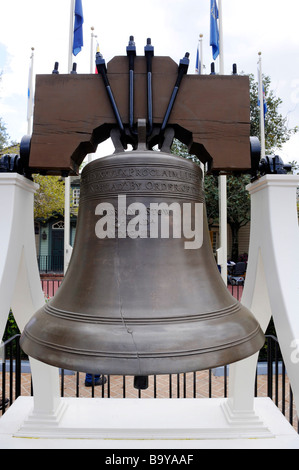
(146, 424)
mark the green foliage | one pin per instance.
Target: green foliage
(182, 150)
(11, 327)
(295, 166)
(10, 331)
(4, 137)
(238, 199)
(49, 198)
(212, 197)
(277, 132)
(238, 204)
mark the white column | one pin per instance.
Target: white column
(271, 286)
(20, 285)
(222, 252)
(67, 210)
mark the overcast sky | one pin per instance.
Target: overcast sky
(269, 26)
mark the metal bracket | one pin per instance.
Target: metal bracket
(142, 145)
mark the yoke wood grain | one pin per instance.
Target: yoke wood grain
(73, 114)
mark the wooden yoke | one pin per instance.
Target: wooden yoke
(73, 114)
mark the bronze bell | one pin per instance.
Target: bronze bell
(135, 301)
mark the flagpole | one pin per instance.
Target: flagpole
(92, 57)
(30, 94)
(221, 58)
(200, 71)
(201, 53)
(67, 180)
(92, 61)
(262, 115)
(71, 36)
(92, 66)
(222, 180)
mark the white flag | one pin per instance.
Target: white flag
(30, 103)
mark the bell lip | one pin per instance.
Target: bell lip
(147, 366)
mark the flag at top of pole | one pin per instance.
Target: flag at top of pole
(30, 103)
(214, 32)
(263, 108)
(98, 50)
(78, 28)
(261, 90)
(198, 64)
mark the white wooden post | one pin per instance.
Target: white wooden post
(272, 281)
(20, 285)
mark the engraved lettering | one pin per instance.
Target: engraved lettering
(140, 172)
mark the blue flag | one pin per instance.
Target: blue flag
(264, 94)
(214, 33)
(78, 28)
(265, 102)
(198, 62)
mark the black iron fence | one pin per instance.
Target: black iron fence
(50, 263)
(16, 381)
(11, 381)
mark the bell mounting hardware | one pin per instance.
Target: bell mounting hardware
(74, 113)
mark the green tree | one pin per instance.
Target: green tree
(277, 132)
(49, 198)
(238, 208)
(238, 199)
(4, 137)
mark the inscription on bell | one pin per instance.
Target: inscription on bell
(142, 172)
(141, 180)
(145, 186)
